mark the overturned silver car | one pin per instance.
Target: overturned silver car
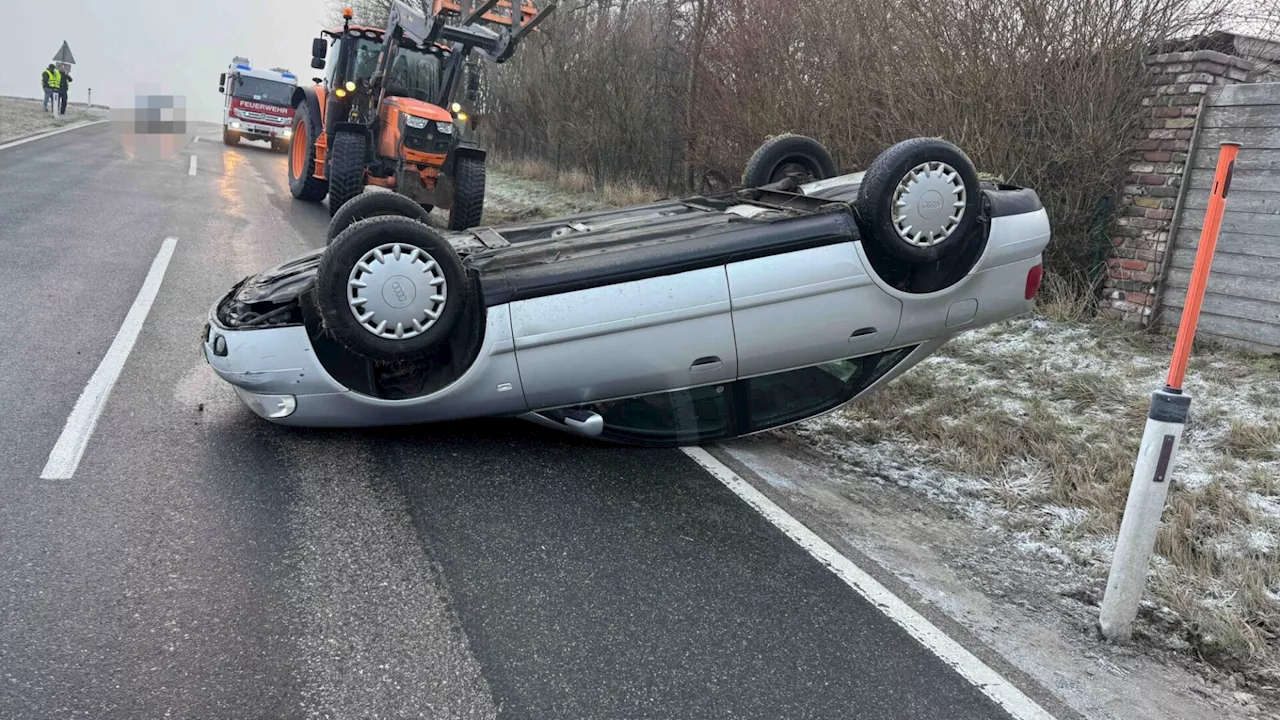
(677, 322)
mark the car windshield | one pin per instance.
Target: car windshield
(263, 91)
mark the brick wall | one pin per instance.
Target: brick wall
(1177, 83)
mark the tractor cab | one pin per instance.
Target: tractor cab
(398, 101)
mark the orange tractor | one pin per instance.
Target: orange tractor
(386, 111)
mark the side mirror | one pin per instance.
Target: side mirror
(222, 82)
(473, 88)
(319, 49)
(578, 422)
(317, 63)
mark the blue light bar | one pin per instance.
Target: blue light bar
(291, 76)
(243, 67)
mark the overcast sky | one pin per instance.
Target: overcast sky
(179, 46)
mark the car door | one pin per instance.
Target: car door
(807, 307)
(631, 338)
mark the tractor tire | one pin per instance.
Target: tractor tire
(346, 169)
(468, 193)
(375, 203)
(391, 288)
(919, 200)
(801, 158)
(230, 137)
(303, 184)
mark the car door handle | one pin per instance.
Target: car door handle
(862, 333)
(702, 364)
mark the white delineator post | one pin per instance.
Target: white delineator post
(1147, 492)
(1166, 419)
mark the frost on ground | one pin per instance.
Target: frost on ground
(20, 116)
(1029, 430)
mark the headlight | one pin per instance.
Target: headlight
(456, 107)
(416, 123)
(351, 87)
(286, 133)
(235, 124)
(444, 128)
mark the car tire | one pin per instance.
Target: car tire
(346, 169)
(303, 184)
(906, 193)
(782, 156)
(375, 203)
(468, 193)
(426, 275)
(230, 137)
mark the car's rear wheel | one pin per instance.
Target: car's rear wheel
(375, 203)
(390, 288)
(919, 200)
(800, 158)
(303, 184)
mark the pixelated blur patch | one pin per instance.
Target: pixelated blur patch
(155, 127)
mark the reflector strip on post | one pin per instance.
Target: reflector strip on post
(1204, 259)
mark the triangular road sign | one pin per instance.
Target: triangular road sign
(64, 55)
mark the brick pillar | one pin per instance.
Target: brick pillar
(1177, 83)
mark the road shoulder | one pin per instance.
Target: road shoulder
(935, 563)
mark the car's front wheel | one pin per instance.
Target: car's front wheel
(375, 203)
(390, 288)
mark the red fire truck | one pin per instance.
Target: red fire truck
(258, 104)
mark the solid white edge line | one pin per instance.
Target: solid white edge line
(66, 453)
(192, 170)
(992, 684)
(51, 133)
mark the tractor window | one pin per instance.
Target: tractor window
(414, 74)
(331, 68)
(263, 91)
(365, 59)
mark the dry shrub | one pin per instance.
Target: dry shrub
(1045, 93)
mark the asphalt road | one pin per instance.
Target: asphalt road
(202, 563)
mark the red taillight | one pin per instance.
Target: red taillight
(1034, 276)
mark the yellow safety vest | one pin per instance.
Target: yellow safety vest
(55, 78)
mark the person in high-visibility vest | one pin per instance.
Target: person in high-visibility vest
(51, 80)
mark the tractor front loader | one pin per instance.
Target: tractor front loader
(386, 112)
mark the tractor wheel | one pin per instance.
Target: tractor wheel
(346, 169)
(795, 156)
(303, 184)
(390, 288)
(374, 203)
(230, 137)
(919, 200)
(468, 193)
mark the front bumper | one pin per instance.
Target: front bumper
(261, 131)
(277, 375)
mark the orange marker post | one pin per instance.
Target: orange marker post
(1204, 258)
(1166, 419)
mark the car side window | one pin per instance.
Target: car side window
(685, 416)
(794, 395)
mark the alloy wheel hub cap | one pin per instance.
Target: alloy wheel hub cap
(928, 204)
(396, 291)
